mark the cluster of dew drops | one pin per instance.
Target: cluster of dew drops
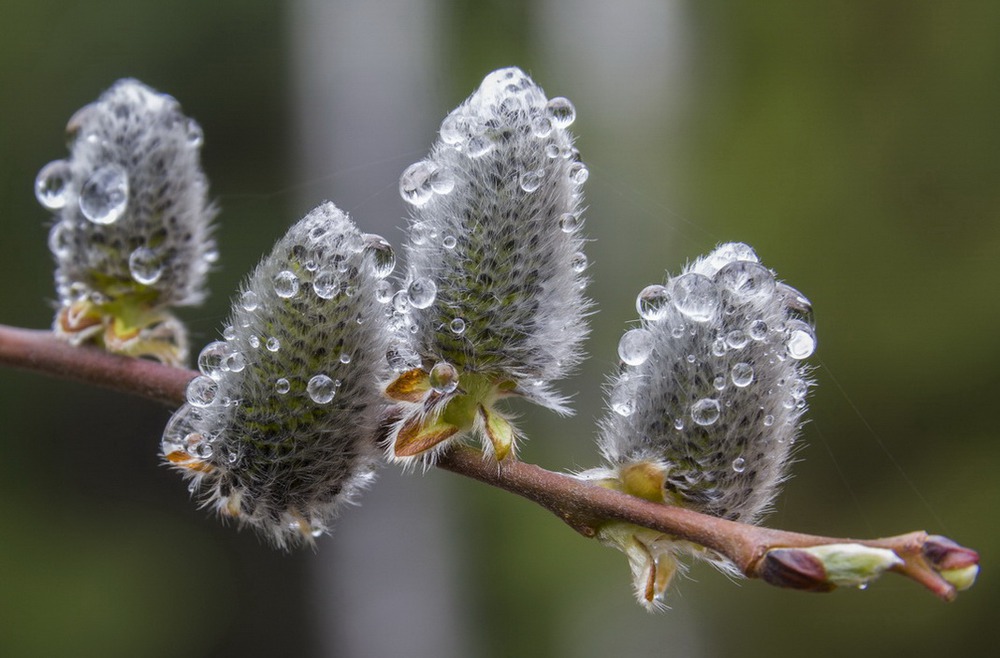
(102, 199)
(740, 284)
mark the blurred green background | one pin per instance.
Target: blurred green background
(854, 145)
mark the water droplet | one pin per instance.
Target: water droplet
(737, 339)
(380, 254)
(321, 389)
(202, 391)
(719, 382)
(272, 344)
(345, 358)
(695, 296)
(282, 386)
(739, 464)
(719, 347)
(229, 332)
(578, 173)
(531, 180)
(254, 341)
(729, 252)
(442, 180)
(52, 185)
(60, 240)
(211, 359)
(742, 374)
(415, 183)
(145, 266)
(444, 377)
(383, 291)
(457, 326)
(561, 112)
(799, 307)
(570, 222)
(326, 284)
(421, 292)
(478, 146)
(745, 280)
(652, 302)
(449, 242)
(798, 388)
(249, 300)
(541, 126)
(678, 423)
(235, 362)
(801, 339)
(552, 151)
(401, 301)
(578, 262)
(104, 196)
(635, 346)
(758, 330)
(768, 420)
(706, 411)
(286, 284)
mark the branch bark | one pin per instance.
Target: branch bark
(759, 552)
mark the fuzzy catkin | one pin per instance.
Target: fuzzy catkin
(133, 222)
(280, 429)
(494, 231)
(716, 389)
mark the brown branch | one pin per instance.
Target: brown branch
(772, 555)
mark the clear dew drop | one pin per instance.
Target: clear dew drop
(768, 420)
(442, 180)
(235, 362)
(799, 307)
(212, 359)
(457, 326)
(719, 347)
(478, 145)
(579, 262)
(678, 423)
(652, 302)
(229, 332)
(798, 388)
(345, 358)
(286, 284)
(383, 292)
(706, 411)
(449, 242)
(202, 391)
(801, 341)
(282, 386)
(380, 254)
(254, 341)
(60, 240)
(273, 344)
(739, 464)
(145, 266)
(742, 374)
(745, 280)
(570, 222)
(401, 301)
(421, 292)
(104, 197)
(453, 129)
(635, 346)
(326, 284)
(719, 382)
(52, 185)
(757, 330)
(531, 179)
(561, 112)
(695, 296)
(249, 300)
(732, 251)
(578, 173)
(444, 377)
(737, 339)
(552, 151)
(321, 389)
(541, 126)
(415, 183)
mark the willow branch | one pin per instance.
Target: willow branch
(759, 552)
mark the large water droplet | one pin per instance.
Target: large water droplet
(211, 359)
(235, 362)
(52, 185)
(801, 339)
(421, 292)
(742, 374)
(454, 129)
(531, 179)
(652, 302)
(635, 346)
(442, 180)
(729, 252)
(145, 266)
(286, 284)
(745, 280)
(444, 377)
(561, 112)
(321, 389)
(104, 196)
(695, 296)
(249, 300)
(415, 183)
(706, 411)
(578, 173)
(380, 254)
(202, 391)
(326, 284)
(737, 339)
(799, 307)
